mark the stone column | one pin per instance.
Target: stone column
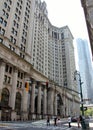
(13, 89)
(45, 102)
(55, 106)
(25, 104)
(33, 99)
(74, 104)
(39, 101)
(50, 101)
(13, 94)
(2, 71)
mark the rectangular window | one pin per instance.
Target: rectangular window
(4, 23)
(62, 36)
(2, 31)
(1, 40)
(10, 70)
(1, 20)
(5, 78)
(9, 79)
(6, 68)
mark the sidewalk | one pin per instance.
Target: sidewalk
(75, 124)
(60, 123)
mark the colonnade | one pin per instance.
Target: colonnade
(36, 102)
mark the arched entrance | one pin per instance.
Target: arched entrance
(36, 99)
(42, 102)
(18, 105)
(59, 105)
(6, 110)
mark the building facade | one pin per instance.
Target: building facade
(32, 53)
(88, 11)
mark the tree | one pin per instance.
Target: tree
(89, 112)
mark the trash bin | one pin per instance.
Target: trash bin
(85, 124)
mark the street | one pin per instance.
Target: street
(39, 125)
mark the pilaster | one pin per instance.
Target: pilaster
(13, 89)
(45, 102)
(50, 101)
(33, 98)
(39, 100)
(2, 71)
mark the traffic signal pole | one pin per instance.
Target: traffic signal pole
(81, 95)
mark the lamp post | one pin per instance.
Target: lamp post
(81, 95)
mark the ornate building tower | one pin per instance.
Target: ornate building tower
(33, 52)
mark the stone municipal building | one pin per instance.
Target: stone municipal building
(36, 63)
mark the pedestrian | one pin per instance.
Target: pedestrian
(78, 121)
(69, 121)
(82, 121)
(55, 121)
(48, 121)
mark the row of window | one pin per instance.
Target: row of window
(19, 5)
(12, 39)
(22, 55)
(7, 79)
(19, 84)
(9, 1)
(9, 70)
(6, 6)
(17, 17)
(24, 33)
(12, 48)
(23, 40)
(16, 24)
(22, 47)
(3, 22)
(18, 11)
(5, 14)
(21, 2)
(2, 31)
(20, 75)
(14, 31)
(28, 4)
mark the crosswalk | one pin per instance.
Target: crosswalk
(37, 124)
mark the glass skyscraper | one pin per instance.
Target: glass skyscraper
(85, 68)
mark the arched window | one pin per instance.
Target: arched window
(59, 104)
(5, 97)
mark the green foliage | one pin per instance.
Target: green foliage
(89, 112)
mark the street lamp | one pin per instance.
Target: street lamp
(80, 83)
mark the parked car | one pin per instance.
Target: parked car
(74, 119)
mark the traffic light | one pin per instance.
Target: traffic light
(26, 86)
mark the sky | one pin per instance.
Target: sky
(68, 12)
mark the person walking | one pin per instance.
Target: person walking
(69, 121)
(82, 121)
(55, 121)
(48, 121)
(78, 121)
